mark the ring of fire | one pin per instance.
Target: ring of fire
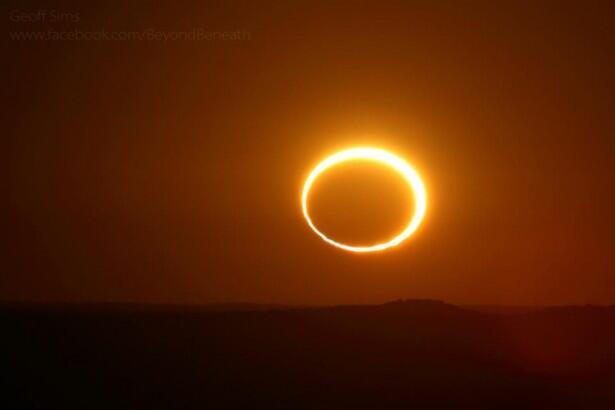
(378, 155)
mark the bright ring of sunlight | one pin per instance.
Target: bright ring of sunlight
(389, 159)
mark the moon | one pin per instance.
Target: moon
(415, 185)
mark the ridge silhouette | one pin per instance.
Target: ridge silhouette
(403, 353)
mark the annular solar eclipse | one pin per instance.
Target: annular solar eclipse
(415, 185)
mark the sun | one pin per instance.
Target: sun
(415, 184)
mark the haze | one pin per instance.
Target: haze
(151, 171)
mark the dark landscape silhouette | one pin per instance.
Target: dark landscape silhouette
(405, 353)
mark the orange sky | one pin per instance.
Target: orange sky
(152, 171)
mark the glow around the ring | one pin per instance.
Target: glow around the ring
(387, 158)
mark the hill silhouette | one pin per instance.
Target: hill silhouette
(404, 353)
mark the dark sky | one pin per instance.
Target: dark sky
(171, 171)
